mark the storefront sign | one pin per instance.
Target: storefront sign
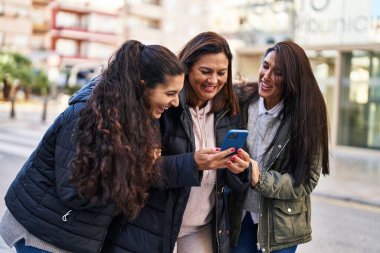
(337, 21)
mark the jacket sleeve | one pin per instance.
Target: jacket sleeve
(239, 182)
(180, 170)
(275, 185)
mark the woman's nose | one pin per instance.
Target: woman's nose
(175, 101)
(213, 79)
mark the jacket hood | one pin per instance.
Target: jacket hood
(85, 92)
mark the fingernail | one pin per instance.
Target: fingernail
(233, 158)
(232, 149)
(239, 150)
(217, 149)
(229, 162)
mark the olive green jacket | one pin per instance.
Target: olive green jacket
(285, 210)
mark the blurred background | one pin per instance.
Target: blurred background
(49, 49)
(58, 45)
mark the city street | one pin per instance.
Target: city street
(346, 204)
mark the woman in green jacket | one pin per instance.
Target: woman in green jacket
(288, 141)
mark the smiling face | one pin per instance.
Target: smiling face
(207, 76)
(165, 95)
(270, 81)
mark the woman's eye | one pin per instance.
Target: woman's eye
(221, 73)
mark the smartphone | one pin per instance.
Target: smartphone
(235, 138)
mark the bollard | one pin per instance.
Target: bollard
(44, 111)
(13, 112)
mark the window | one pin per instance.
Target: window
(359, 103)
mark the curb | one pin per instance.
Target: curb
(348, 199)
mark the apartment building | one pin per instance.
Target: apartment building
(167, 22)
(82, 32)
(15, 25)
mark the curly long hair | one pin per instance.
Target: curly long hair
(209, 43)
(304, 104)
(115, 134)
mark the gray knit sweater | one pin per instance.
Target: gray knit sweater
(262, 127)
(12, 231)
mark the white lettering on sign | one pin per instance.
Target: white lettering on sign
(338, 21)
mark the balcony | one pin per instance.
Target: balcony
(84, 35)
(150, 11)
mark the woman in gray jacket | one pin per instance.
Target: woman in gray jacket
(288, 139)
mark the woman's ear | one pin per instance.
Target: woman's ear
(142, 82)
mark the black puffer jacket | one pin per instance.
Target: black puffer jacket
(43, 201)
(156, 228)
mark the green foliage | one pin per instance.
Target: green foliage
(14, 66)
(40, 82)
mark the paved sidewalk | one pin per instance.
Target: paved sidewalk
(353, 178)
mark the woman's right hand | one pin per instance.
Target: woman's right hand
(212, 158)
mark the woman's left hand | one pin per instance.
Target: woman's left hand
(238, 162)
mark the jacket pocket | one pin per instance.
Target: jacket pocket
(290, 220)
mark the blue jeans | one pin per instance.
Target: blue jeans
(22, 248)
(248, 239)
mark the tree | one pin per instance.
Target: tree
(14, 66)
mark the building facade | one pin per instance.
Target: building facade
(81, 32)
(15, 25)
(167, 22)
(344, 50)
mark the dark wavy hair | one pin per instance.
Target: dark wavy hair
(304, 104)
(209, 43)
(115, 134)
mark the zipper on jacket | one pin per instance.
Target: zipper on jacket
(217, 120)
(189, 134)
(258, 227)
(216, 189)
(268, 231)
(216, 215)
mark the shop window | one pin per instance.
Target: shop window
(359, 103)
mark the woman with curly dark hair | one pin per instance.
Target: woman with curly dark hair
(98, 158)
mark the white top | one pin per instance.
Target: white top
(201, 202)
